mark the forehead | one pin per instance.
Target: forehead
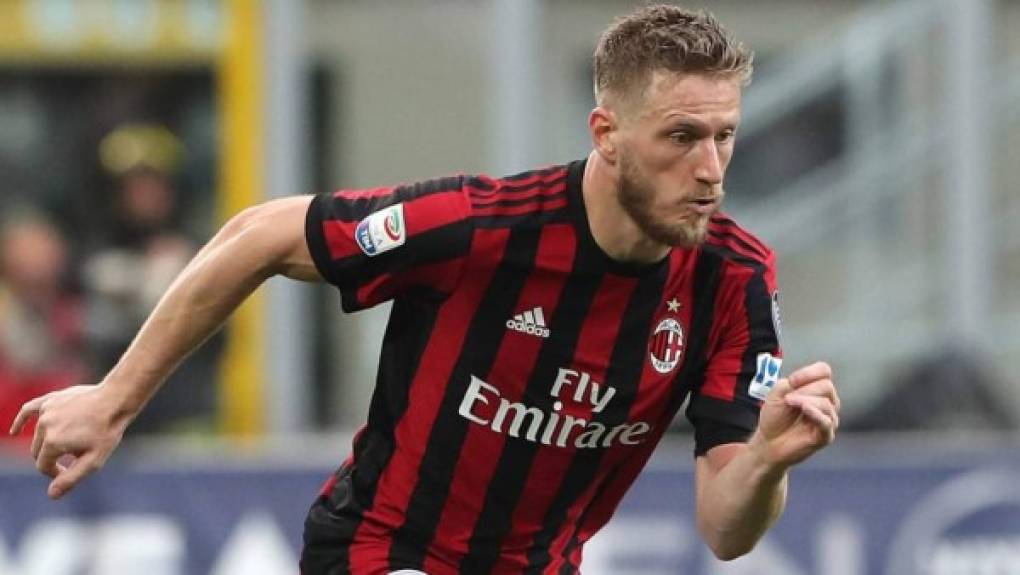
(712, 98)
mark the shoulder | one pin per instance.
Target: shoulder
(534, 194)
(741, 250)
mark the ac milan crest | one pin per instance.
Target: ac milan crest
(666, 346)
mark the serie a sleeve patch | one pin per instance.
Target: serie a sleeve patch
(382, 231)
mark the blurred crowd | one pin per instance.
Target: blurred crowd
(71, 300)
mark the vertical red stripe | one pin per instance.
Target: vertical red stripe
(370, 550)
(472, 475)
(721, 381)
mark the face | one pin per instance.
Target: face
(674, 147)
(32, 258)
(147, 200)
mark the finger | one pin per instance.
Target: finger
(37, 441)
(813, 372)
(72, 475)
(29, 409)
(823, 403)
(821, 388)
(781, 388)
(818, 410)
(46, 463)
(64, 462)
(821, 421)
(819, 404)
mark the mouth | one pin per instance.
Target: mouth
(704, 206)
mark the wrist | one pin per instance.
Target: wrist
(124, 401)
(764, 465)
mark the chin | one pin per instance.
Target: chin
(684, 235)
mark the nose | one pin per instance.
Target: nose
(709, 169)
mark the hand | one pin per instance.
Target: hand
(76, 433)
(799, 417)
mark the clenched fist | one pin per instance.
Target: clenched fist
(800, 416)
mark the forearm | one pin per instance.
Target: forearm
(223, 274)
(739, 502)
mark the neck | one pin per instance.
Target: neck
(615, 232)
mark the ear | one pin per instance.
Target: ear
(604, 128)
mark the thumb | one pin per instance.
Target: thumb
(781, 388)
(70, 476)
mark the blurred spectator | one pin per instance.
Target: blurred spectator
(142, 251)
(40, 321)
(134, 264)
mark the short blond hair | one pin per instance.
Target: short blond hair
(665, 37)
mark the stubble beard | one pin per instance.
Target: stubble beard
(637, 197)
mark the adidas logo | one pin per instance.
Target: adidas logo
(531, 322)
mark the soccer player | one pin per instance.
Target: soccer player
(546, 328)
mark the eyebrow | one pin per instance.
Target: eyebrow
(673, 115)
(697, 126)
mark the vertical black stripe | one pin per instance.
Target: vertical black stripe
(707, 276)
(739, 241)
(624, 373)
(761, 332)
(511, 474)
(569, 568)
(446, 438)
(334, 519)
(743, 411)
(407, 335)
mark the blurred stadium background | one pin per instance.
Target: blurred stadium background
(877, 156)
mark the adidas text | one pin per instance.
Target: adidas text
(531, 322)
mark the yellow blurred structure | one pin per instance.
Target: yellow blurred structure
(240, 93)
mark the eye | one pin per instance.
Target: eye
(682, 136)
(725, 136)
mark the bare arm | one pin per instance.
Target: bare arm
(88, 422)
(741, 488)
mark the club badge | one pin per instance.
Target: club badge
(666, 346)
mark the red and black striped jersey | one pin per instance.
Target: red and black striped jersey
(525, 376)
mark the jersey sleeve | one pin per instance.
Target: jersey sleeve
(745, 362)
(377, 244)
